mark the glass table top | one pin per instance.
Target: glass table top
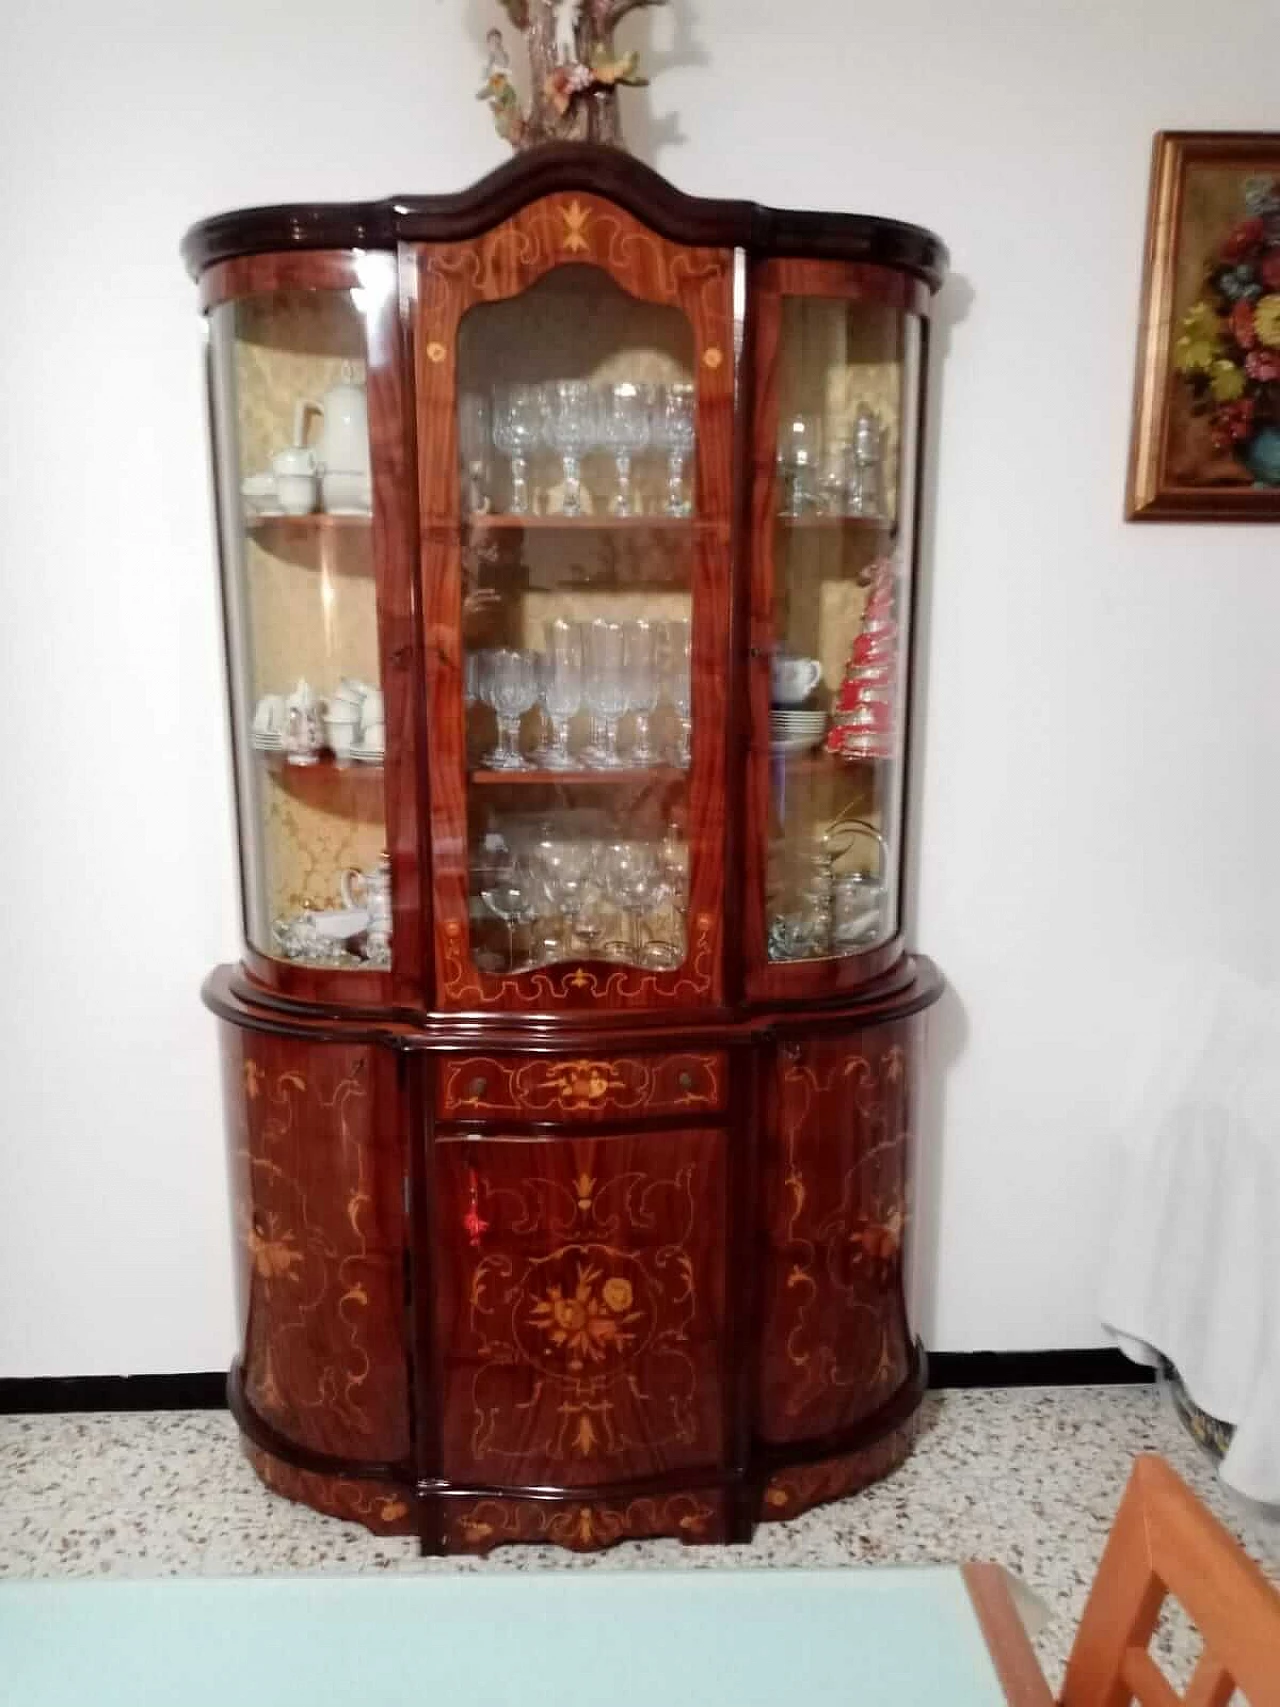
(883, 1637)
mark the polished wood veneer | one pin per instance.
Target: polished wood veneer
(586, 1252)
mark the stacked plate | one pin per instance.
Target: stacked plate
(795, 730)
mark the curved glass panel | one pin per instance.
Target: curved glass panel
(296, 526)
(844, 502)
(577, 439)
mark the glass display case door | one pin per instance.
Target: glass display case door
(839, 369)
(308, 419)
(575, 378)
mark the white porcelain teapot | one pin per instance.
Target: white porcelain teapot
(343, 447)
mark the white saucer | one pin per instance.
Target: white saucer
(794, 744)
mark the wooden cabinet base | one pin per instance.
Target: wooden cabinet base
(573, 1290)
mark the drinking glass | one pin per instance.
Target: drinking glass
(605, 690)
(571, 425)
(640, 682)
(512, 897)
(517, 432)
(799, 456)
(566, 872)
(564, 687)
(675, 674)
(624, 429)
(675, 431)
(512, 690)
(474, 430)
(632, 883)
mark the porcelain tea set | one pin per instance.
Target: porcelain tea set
(357, 933)
(794, 727)
(335, 471)
(350, 722)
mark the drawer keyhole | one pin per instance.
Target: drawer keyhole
(685, 1081)
(478, 1086)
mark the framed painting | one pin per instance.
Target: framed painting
(1206, 431)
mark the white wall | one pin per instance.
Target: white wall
(1098, 753)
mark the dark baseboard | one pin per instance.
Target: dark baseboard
(41, 1395)
(1100, 1366)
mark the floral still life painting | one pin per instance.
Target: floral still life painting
(1207, 416)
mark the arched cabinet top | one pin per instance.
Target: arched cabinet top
(464, 214)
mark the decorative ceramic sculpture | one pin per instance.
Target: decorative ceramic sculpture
(575, 72)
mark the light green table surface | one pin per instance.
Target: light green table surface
(695, 1638)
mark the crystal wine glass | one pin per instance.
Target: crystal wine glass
(605, 690)
(675, 431)
(512, 897)
(632, 884)
(566, 871)
(674, 668)
(517, 432)
(624, 429)
(640, 682)
(799, 456)
(512, 690)
(564, 687)
(474, 431)
(571, 426)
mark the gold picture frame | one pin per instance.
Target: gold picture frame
(1206, 420)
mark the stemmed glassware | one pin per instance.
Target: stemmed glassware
(571, 417)
(511, 688)
(799, 455)
(517, 433)
(605, 688)
(675, 430)
(513, 897)
(640, 684)
(633, 883)
(562, 693)
(566, 872)
(474, 431)
(625, 428)
(675, 674)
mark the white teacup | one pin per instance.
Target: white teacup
(374, 739)
(340, 737)
(295, 476)
(792, 680)
(346, 493)
(372, 708)
(348, 692)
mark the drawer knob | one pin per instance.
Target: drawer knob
(685, 1080)
(478, 1086)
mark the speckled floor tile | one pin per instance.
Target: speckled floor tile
(1026, 1476)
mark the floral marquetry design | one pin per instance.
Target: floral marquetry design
(790, 1492)
(480, 1525)
(584, 1339)
(596, 1087)
(837, 1338)
(319, 1219)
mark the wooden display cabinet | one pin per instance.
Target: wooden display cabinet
(571, 1068)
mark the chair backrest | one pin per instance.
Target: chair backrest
(1163, 1543)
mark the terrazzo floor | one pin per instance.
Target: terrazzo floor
(1026, 1476)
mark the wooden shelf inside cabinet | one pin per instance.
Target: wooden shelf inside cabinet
(337, 545)
(480, 523)
(302, 526)
(350, 791)
(579, 779)
(835, 524)
(819, 760)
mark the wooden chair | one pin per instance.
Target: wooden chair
(1164, 1542)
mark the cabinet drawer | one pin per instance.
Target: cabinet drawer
(597, 1087)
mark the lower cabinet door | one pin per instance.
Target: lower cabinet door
(581, 1306)
(835, 1339)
